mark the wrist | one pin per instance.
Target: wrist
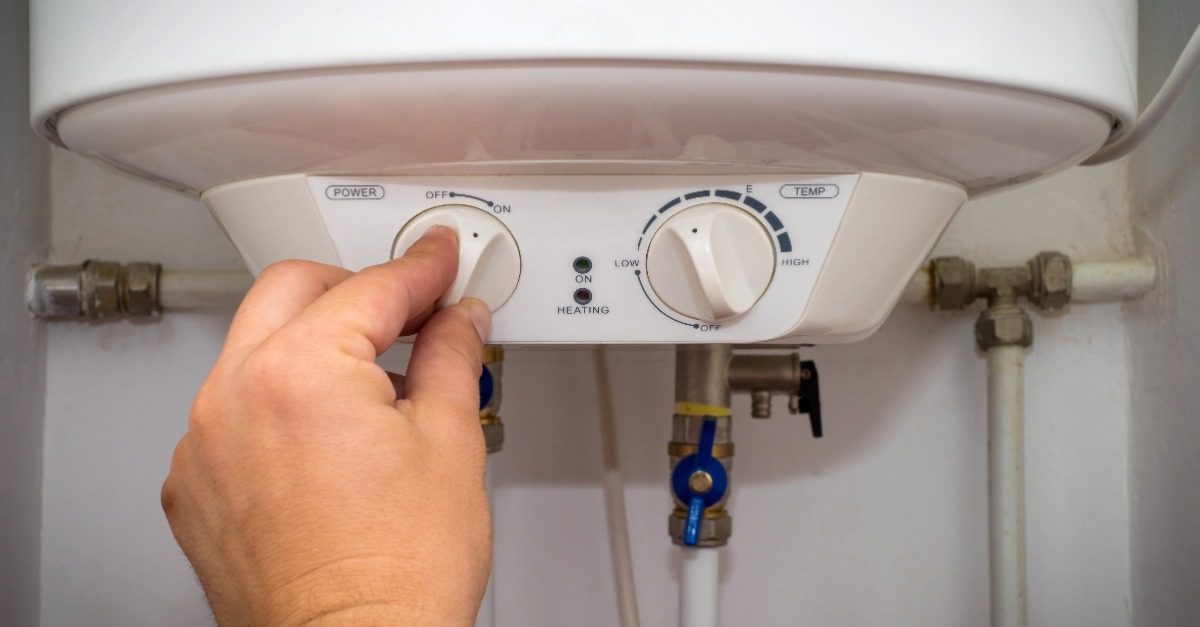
(358, 591)
(375, 614)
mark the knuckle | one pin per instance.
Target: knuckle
(203, 412)
(277, 374)
(370, 372)
(267, 367)
(359, 317)
(168, 497)
(288, 268)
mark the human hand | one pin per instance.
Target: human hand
(309, 489)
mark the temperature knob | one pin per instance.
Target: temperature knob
(711, 261)
(489, 262)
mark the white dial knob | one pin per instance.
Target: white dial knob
(711, 262)
(489, 262)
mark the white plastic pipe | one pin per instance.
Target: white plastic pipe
(183, 290)
(1006, 484)
(1094, 282)
(614, 495)
(699, 587)
(487, 609)
(1110, 281)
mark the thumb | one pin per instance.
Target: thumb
(443, 373)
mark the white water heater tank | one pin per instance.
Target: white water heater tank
(623, 171)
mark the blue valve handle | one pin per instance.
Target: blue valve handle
(691, 530)
(487, 387)
(702, 460)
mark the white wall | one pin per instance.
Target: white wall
(24, 231)
(1165, 341)
(883, 522)
(117, 398)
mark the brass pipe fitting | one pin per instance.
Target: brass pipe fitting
(95, 290)
(489, 413)
(701, 393)
(1046, 281)
(764, 376)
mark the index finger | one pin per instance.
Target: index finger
(280, 293)
(364, 314)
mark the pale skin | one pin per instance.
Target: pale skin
(312, 487)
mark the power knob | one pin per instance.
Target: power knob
(711, 261)
(489, 262)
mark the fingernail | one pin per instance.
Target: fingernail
(481, 316)
(440, 228)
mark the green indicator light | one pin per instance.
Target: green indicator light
(582, 265)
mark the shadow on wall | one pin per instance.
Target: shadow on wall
(1163, 197)
(551, 418)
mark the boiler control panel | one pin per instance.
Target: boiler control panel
(622, 258)
(637, 259)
